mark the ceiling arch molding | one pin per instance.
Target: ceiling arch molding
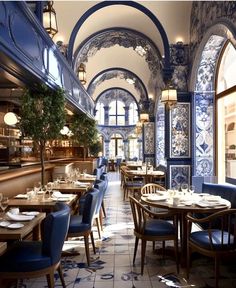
(147, 12)
(109, 95)
(127, 38)
(119, 73)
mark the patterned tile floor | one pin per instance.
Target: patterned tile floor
(112, 265)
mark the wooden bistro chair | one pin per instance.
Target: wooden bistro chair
(34, 259)
(216, 240)
(151, 188)
(132, 184)
(150, 226)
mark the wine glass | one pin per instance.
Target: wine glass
(50, 188)
(191, 189)
(184, 188)
(4, 203)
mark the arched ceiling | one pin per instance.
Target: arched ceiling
(173, 16)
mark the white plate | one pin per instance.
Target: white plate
(15, 226)
(4, 223)
(30, 213)
(60, 199)
(154, 197)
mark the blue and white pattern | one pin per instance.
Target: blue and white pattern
(179, 174)
(180, 131)
(204, 108)
(149, 144)
(160, 134)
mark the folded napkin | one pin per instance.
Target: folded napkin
(20, 217)
(88, 175)
(58, 194)
(21, 196)
(78, 183)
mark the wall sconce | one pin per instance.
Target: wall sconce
(138, 128)
(144, 117)
(169, 96)
(10, 118)
(50, 19)
(81, 74)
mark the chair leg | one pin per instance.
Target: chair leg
(217, 271)
(50, 280)
(188, 262)
(86, 243)
(98, 227)
(143, 251)
(60, 272)
(93, 244)
(103, 209)
(177, 254)
(135, 249)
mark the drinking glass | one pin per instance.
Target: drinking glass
(191, 189)
(184, 188)
(50, 186)
(4, 203)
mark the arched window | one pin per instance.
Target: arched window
(116, 113)
(226, 116)
(100, 113)
(133, 113)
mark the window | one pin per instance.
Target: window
(116, 146)
(226, 117)
(117, 113)
(133, 113)
(100, 113)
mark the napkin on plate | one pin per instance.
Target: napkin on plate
(88, 175)
(80, 184)
(58, 194)
(21, 196)
(20, 217)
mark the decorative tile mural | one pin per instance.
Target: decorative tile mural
(149, 143)
(204, 14)
(160, 134)
(180, 131)
(179, 174)
(204, 108)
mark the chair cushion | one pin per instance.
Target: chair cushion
(76, 225)
(24, 256)
(157, 227)
(201, 238)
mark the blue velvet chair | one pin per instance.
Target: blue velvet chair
(104, 177)
(81, 224)
(217, 243)
(150, 226)
(33, 259)
(101, 186)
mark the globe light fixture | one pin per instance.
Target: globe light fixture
(10, 118)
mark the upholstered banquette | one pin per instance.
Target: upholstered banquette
(226, 191)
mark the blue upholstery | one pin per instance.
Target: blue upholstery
(202, 239)
(78, 223)
(157, 227)
(226, 191)
(104, 177)
(26, 256)
(98, 171)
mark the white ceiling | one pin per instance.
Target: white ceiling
(173, 15)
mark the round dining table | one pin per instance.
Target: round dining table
(194, 203)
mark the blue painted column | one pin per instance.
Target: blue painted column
(126, 108)
(126, 149)
(106, 147)
(106, 115)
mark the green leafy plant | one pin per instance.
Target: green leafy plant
(84, 131)
(42, 116)
(95, 148)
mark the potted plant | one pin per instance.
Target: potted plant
(42, 116)
(84, 131)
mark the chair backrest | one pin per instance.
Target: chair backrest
(223, 235)
(101, 186)
(90, 205)
(55, 227)
(104, 177)
(138, 215)
(151, 188)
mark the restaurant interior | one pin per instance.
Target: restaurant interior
(117, 124)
